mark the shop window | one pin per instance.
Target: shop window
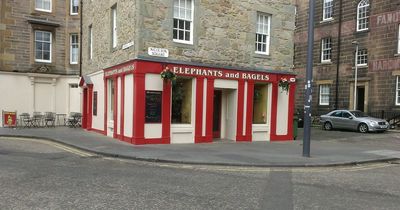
(95, 103)
(324, 95)
(260, 103)
(43, 5)
(182, 101)
(363, 15)
(110, 98)
(43, 46)
(153, 106)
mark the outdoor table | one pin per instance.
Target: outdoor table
(59, 117)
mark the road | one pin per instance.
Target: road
(43, 175)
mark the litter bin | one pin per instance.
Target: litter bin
(295, 126)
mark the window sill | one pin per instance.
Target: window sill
(329, 20)
(183, 42)
(397, 55)
(262, 55)
(42, 61)
(360, 67)
(323, 105)
(361, 32)
(326, 62)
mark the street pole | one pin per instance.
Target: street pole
(308, 86)
(355, 76)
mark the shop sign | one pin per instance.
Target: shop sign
(223, 74)
(9, 119)
(121, 70)
(158, 52)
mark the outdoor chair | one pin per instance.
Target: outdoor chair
(49, 119)
(25, 120)
(37, 119)
(74, 119)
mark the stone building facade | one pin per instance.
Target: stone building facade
(341, 27)
(220, 50)
(39, 55)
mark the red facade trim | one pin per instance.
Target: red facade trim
(240, 115)
(115, 113)
(166, 113)
(210, 111)
(199, 110)
(274, 109)
(249, 111)
(84, 108)
(105, 104)
(122, 107)
(139, 94)
(90, 107)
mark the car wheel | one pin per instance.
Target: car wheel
(327, 126)
(363, 128)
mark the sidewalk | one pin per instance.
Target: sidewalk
(338, 148)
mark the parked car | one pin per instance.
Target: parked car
(353, 120)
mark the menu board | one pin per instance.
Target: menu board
(153, 106)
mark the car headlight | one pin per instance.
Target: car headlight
(373, 123)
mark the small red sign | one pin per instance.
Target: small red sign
(9, 119)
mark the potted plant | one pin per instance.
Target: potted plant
(284, 84)
(167, 74)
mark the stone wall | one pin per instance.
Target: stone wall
(224, 33)
(17, 36)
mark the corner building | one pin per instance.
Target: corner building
(229, 58)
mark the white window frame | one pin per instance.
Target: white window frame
(398, 40)
(114, 34)
(41, 8)
(178, 9)
(326, 50)
(324, 94)
(72, 46)
(42, 41)
(397, 100)
(263, 29)
(90, 42)
(363, 9)
(362, 58)
(327, 9)
(72, 7)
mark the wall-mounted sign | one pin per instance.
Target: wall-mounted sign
(223, 74)
(120, 70)
(153, 106)
(127, 45)
(158, 52)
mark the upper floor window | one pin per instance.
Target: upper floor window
(398, 41)
(74, 49)
(327, 10)
(183, 21)
(263, 33)
(324, 95)
(43, 5)
(90, 40)
(397, 90)
(43, 46)
(74, 7)
(362, 57)
(363, 15)
(326, 50)
(114, 35)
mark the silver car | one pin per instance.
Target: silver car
(353, 120)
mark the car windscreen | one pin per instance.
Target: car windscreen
(359, 114)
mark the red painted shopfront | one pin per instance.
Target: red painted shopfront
(134, 129)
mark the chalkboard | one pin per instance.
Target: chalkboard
(153, 106)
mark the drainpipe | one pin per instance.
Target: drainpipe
(338, 54)
(80, 39)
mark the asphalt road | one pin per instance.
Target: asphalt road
(43, 175)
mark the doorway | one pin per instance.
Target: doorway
(217, 114)
(360, 98)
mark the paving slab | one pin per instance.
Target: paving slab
(328, 148)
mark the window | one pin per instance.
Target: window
(43, 46)
(327, 10)
(90, 40)
(153, 106)
(182, 101)
(324, 95)
(183, 21)
(362, 57)
(398, 90)
(363, 15)
(337, 114)
(114, 36)
(326, 50)
(74, 7)
(110, 98)
(74, 49)
(260, 104)
(263, 33)
(43, 5)
(95, 103)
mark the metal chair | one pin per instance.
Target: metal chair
(49, 119)
(25, 120)
(74, 119)
(37, 119)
